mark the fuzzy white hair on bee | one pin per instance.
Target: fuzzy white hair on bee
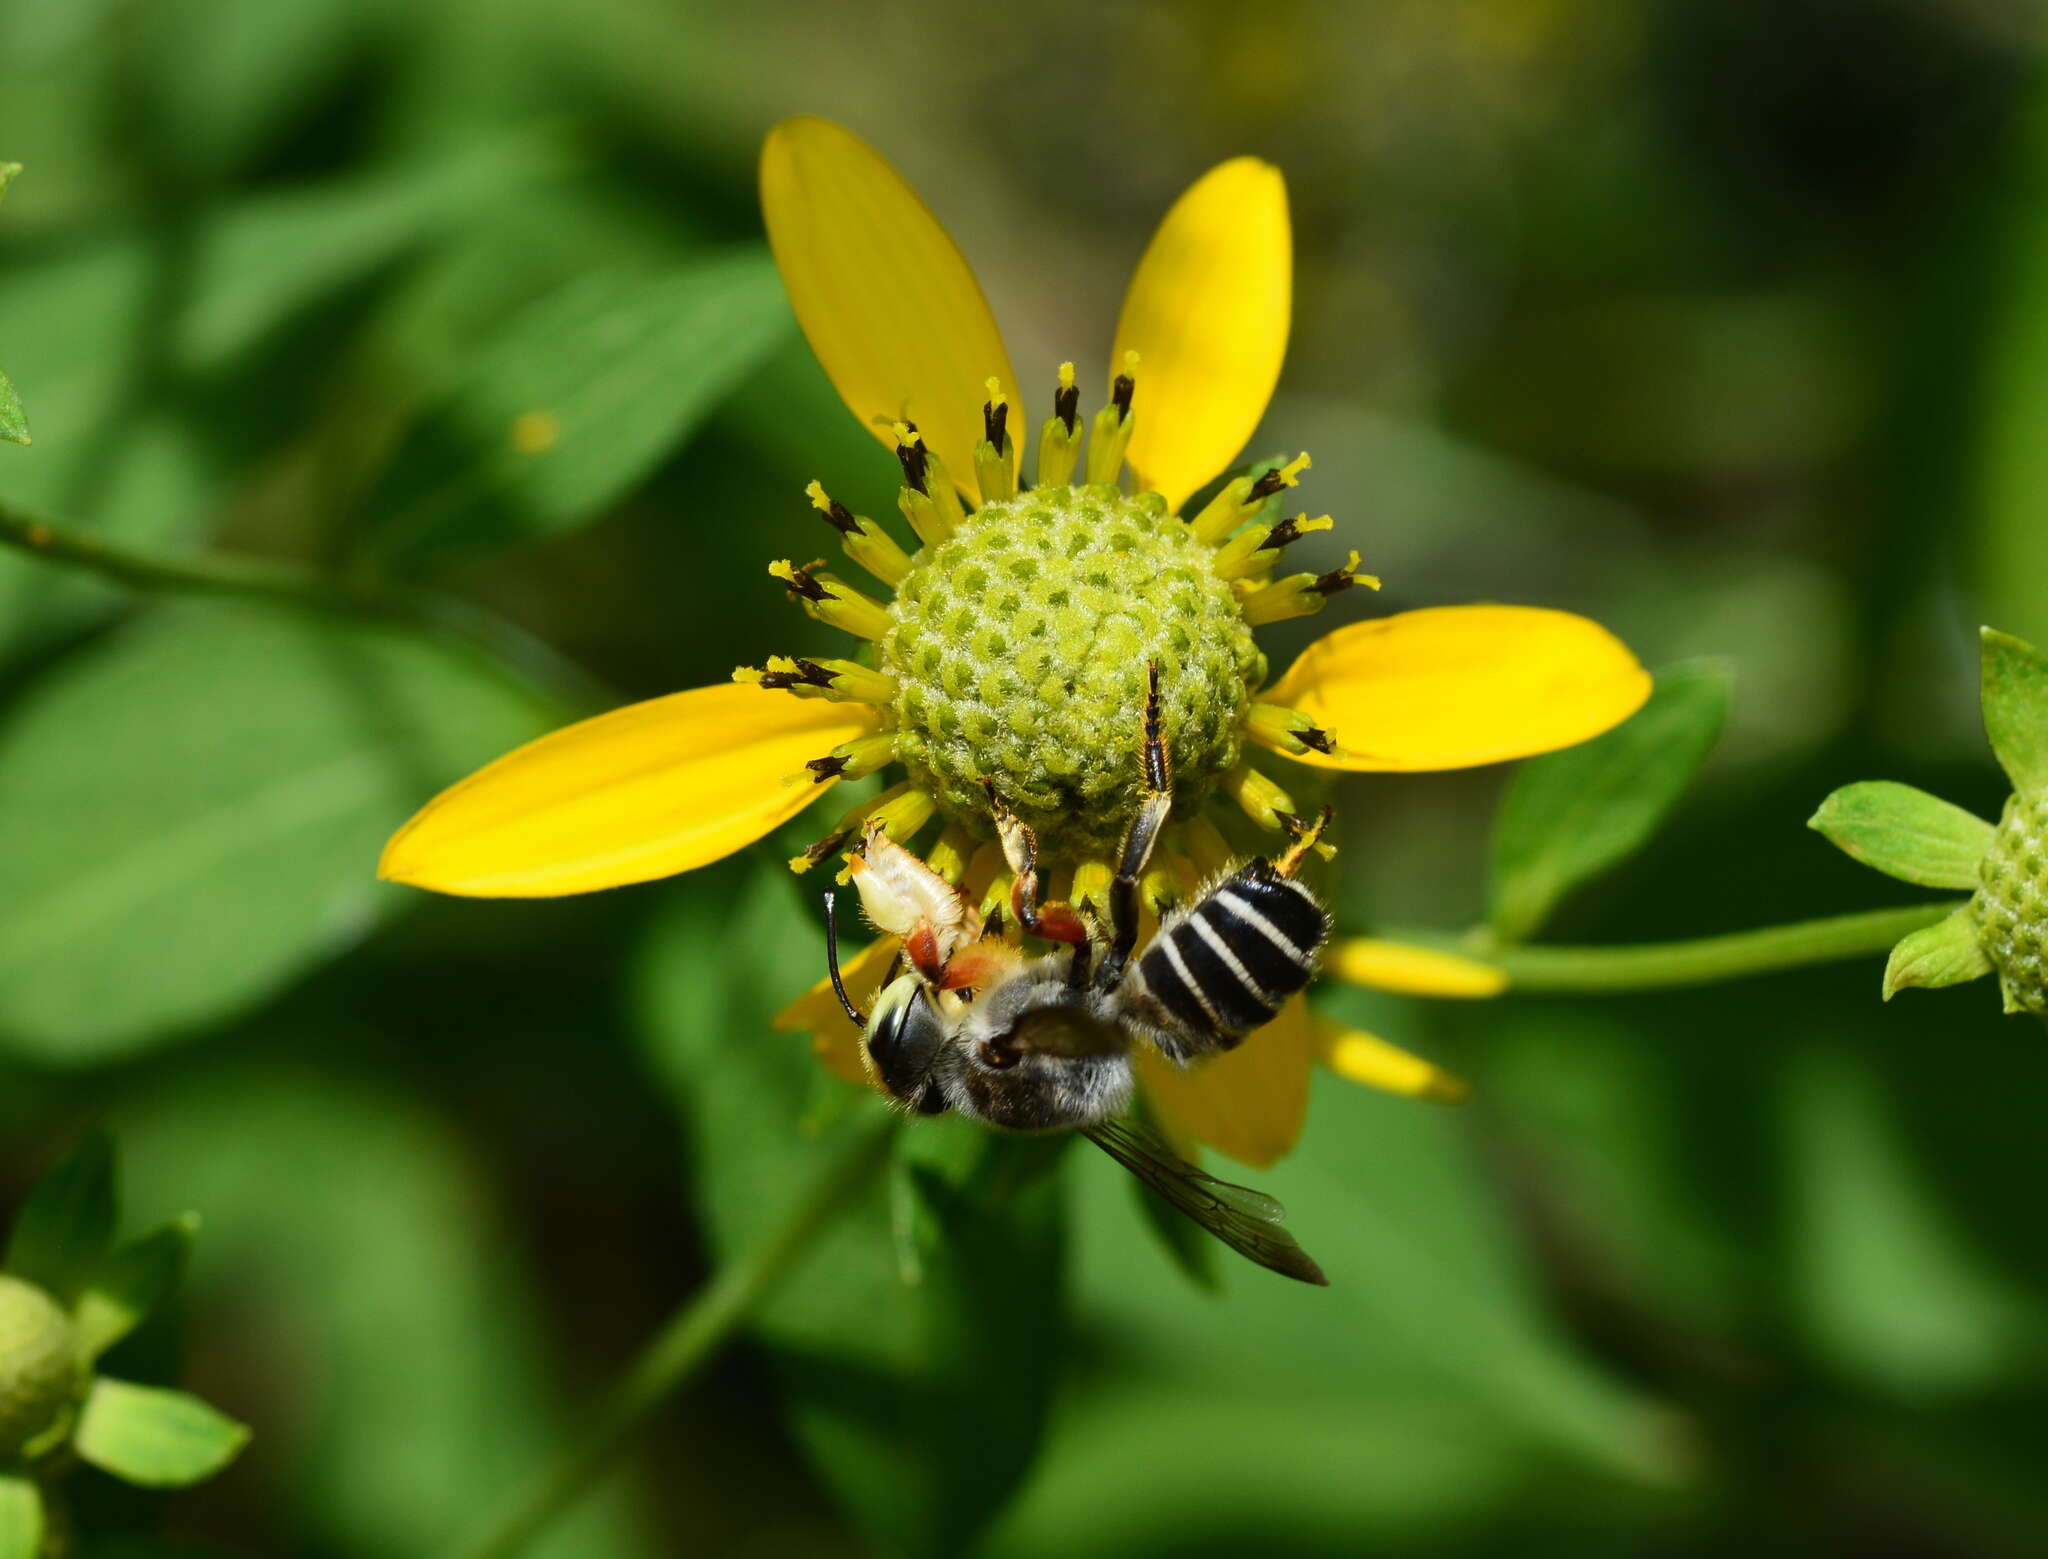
(904, 897)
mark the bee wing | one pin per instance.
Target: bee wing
(1247, 1221)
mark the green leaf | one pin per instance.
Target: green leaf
(153, 1437)
(132, 1282)
(211, 790)
(2016, 709)
(158, 363)
(577, 397)
(1571, 815)
(1889, 1288)
(66, 1224)
(1905, 833)
(21, 1517)
(921, 1397)
(1945, 953)
(405, 1277)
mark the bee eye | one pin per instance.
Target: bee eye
(997, 1056)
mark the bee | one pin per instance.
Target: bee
(1044, 1043)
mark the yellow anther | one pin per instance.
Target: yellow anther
(1066, 376)
(1264, 802)
(1239, 500)
(1255, 549)
(1300, 595)
(1288, 730)
(995, 391)
(873, 548)
(832, 600)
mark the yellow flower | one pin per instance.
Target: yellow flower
(1024, 618)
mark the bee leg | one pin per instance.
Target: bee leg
(1154, 806)
(1305, 836)
(1055, 922)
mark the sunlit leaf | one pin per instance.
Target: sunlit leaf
(1905, 833)
(576, 397)
(1945, 953)
(1571, 815)
(157, 1438)
(64, 1227)
(211, 790)
(2016, 709)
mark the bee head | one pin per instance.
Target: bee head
(904, 1037)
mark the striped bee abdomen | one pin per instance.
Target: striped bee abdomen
(1226, 966)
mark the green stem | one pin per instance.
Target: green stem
(686, 1343)
(1649, 966)
(294, 584)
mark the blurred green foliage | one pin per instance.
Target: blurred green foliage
(1721, 323)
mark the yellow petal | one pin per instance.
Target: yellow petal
(896, 318)
(1207, 315)
(834, 1039)
(1248, 1103)
(642, 792)
(1368, 1060)
(1409, 970)
(1460, 685)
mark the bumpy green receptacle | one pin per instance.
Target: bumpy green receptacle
(2011, 904)
(1020, 650)
(39, 1366)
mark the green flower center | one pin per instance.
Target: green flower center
(39, 1369)
(1020, 649)
(2011, 905)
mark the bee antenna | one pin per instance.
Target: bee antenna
(832, 959)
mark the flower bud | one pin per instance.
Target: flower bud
(2011, 904)
(40, 1373)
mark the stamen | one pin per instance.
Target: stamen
(995, 414)
(838, 680)
(1111, 433)
(873, 548)
(1158, 889)
(1264, 802)
(831, 600)
(1254, 551)
(927, 498)
(855, 759)
(895, 807)
(1289, 730)
(912, 456)
(995, 466)
(950, 855)
(918, 496)
(1288, 475)
(1239, 500)
(1091, 885)
(1059, 441)
(1301, 595)
(995, 901)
